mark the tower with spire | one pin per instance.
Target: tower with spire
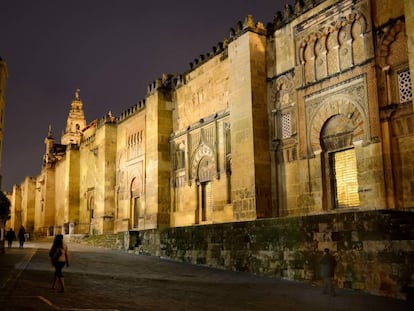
(75, 122)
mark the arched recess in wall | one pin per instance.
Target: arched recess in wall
(282, 102)
(205, 174)
(309, 61)
(203, 168)
(335, 126)
(338, 104)
(321, 69)
(136, 204)
(91, 207)
(389, 38)
(359, 39)
(340, 177)
(202, 150)
(332, 46)
(392, 62)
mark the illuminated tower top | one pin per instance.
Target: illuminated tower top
(75, 123)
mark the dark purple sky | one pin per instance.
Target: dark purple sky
(111, 50)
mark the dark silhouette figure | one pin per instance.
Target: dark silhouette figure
(10, 236)
(22, 236)
(59, 257)
(328, 264)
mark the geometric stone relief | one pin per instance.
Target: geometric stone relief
(203, 160)
(404, 86)
(282, 91)
(348, 100)
(286, 125)
(332, 46)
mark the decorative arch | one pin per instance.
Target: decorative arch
(283, 85)
(91, 202)
(338, 162)
(337, 133)
(202, 153)
(360, 21)
(332, 48)
(205, 171)
(309, 61)
(358, 34)
(332, 51)
(336, 105)
(136, 187)
(136, 205)
(389, 37)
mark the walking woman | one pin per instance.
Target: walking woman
(59, 257)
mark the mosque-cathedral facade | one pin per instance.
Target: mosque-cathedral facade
(309, 115)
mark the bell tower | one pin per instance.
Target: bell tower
(75, 123)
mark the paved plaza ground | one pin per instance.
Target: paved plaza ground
(101, 279)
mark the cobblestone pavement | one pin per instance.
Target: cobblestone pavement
(100, 279)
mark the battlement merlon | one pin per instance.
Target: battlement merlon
(171, 81)
(289, 13)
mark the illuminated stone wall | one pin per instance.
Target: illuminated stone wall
(373, 249)
(28, 187)
(87, 171)
(200, 184)
(326, 95)
(104, 209)
(130, 174)
(250, 179)
(16, 207)
(47, 203)
(254, 129)
(395, 101)
(409, 20)
(72, 185)
(384, 10)
(158, 126)
(61, 188)
(37, 195)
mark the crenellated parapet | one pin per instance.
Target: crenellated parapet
(282, 18)
(221, 48)
(131, 111)
(169, 81)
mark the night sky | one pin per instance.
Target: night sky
(111, 50)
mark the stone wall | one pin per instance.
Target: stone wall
(374, 249)
(111, 241)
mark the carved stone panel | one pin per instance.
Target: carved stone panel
(348, 100)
